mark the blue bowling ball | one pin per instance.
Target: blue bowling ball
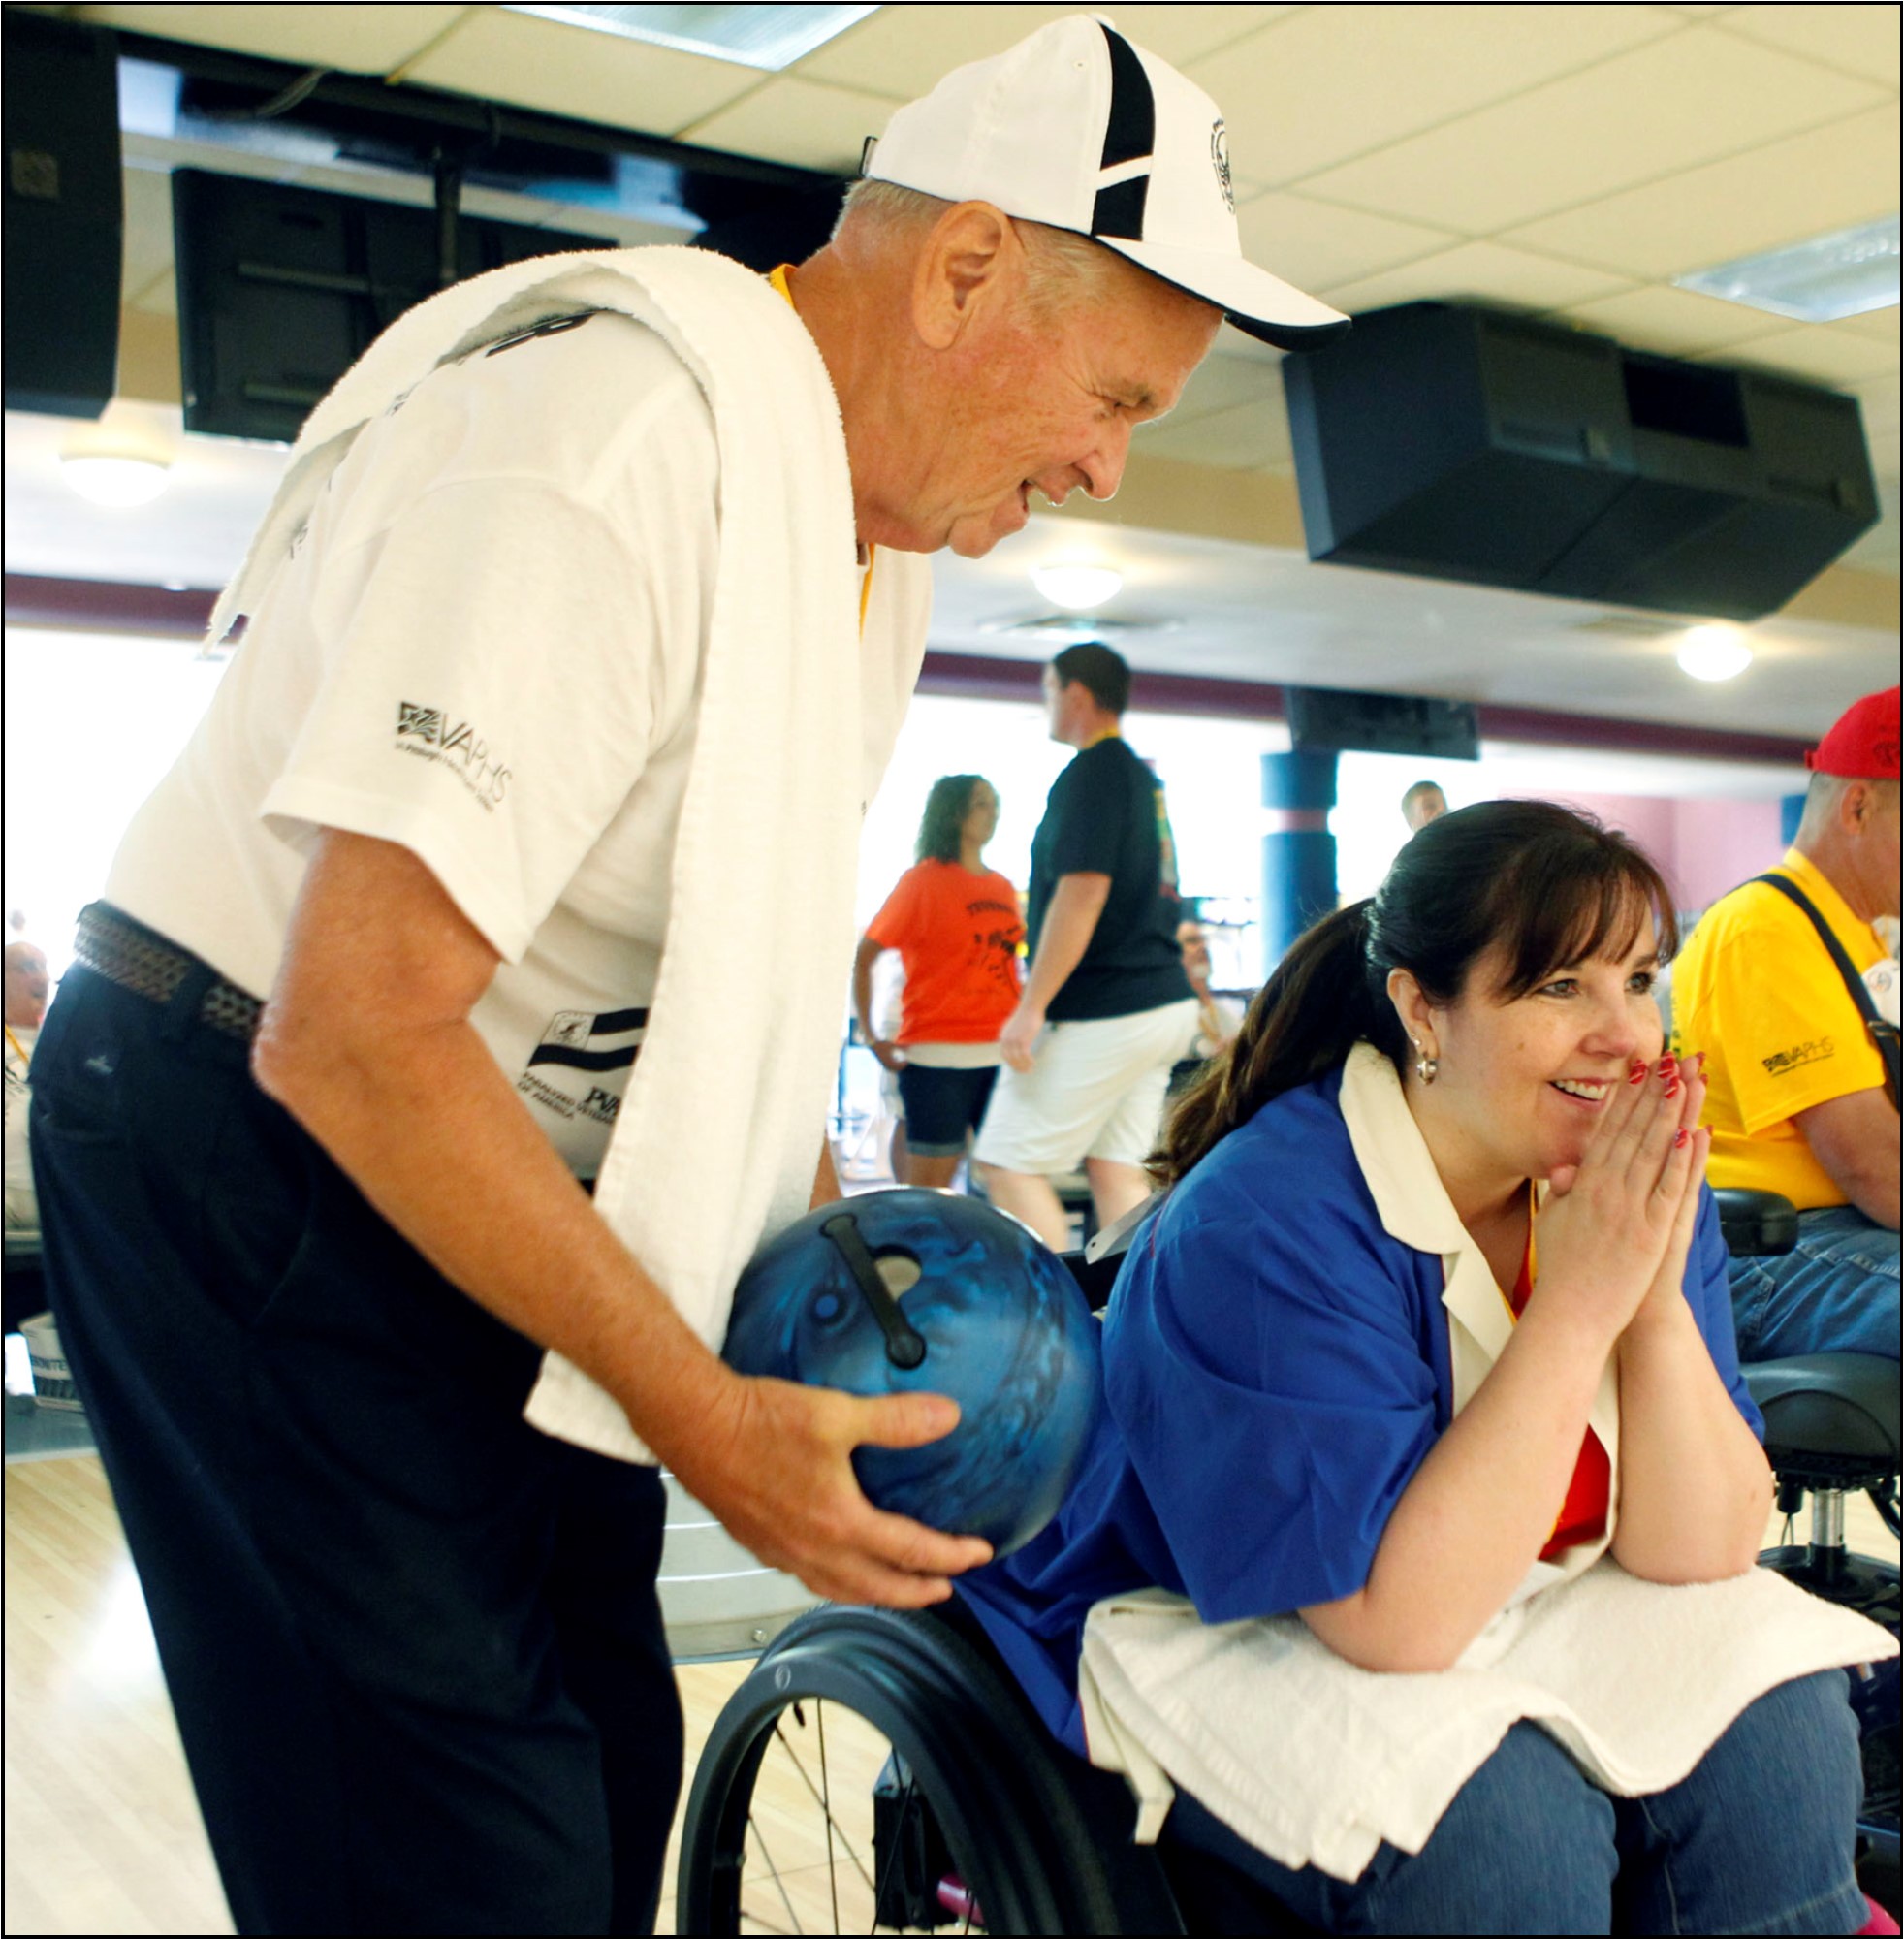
(916, 1291)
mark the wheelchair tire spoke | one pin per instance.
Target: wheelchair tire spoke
(753, 1827)
(826, 1809)
(819, 1798)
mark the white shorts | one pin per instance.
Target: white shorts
(1095, 1091)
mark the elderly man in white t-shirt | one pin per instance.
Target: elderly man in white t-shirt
(577, 638)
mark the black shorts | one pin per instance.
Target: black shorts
(941, 1106)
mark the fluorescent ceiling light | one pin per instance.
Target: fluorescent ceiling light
(1077, 588)
(762, 37)
(1843, 274)
(117, 481)
(1713, 653)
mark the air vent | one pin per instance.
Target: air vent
(1068, 626)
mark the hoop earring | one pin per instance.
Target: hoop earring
(1425, 1068)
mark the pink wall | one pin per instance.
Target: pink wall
(1719, 845)
(1702, 848)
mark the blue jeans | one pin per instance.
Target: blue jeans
(1758, 1838)
(1834, 1292)
(414, 1647)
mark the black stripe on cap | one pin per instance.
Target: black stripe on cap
(1131, 132)
(1129, 135)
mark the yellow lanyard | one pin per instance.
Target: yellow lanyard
(18, 1052)
(779, 278)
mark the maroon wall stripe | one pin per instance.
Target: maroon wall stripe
(108, 606)
(974, 676)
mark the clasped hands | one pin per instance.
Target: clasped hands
(1617, 1228)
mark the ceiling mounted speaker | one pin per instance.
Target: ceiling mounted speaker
(65, 215)
(1463, 443)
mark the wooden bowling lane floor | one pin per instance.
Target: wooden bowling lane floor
(103, 1835)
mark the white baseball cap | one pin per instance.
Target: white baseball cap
(1077, 128)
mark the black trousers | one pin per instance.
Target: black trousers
(414, 1647)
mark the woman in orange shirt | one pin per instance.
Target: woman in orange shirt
(957, 927)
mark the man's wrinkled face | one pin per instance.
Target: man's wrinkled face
(1050, 408)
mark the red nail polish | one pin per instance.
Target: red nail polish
(1680, 1137)
(1672, 1089)
(1637, 1075)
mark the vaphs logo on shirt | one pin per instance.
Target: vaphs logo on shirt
(433, 734)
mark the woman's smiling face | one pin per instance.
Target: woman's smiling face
(1522, 1080)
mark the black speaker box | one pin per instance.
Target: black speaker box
(65, 217)
(1463, 443)
(281, 289)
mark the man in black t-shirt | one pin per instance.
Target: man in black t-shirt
(1107, 1008)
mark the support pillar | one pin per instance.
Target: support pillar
(1299, 853)
(1791, 813)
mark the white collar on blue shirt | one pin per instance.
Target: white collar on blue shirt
(1415, 1209)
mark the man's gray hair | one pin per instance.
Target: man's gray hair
(1065, 268)
(1823, 793)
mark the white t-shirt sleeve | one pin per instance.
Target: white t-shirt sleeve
(500, 654)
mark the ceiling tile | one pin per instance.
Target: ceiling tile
(1220, 383)
(901, 51)
(1317, 246)
(1675, 322)
(1182, 35)
(360, 40)
(1873, 322)
(1332, 83)
(1879, 397)
(146, 260)
(798, 121)
(1480, 272)
(1693, 97)
(1861, 40)
(1232, 343)
(573, 71)
(1804, 185)
(1878, 404)
(1820, 354)
(1248, 438)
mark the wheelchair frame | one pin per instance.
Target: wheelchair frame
(1038, 1849)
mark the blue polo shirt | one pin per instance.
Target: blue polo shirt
(1275, 1367)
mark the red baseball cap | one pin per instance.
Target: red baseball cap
(1864, 745)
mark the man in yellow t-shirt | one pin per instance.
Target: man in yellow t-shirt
(1795, 1088)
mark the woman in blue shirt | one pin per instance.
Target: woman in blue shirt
(1434, 1318)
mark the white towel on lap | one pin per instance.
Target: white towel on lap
(1316, 1762)
(720, 1132)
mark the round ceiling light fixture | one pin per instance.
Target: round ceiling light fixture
(1077, 588)
(1713, 652)
(112, 480)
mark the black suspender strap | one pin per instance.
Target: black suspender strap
(1883, 1034)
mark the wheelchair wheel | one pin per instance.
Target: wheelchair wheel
(871, 1775)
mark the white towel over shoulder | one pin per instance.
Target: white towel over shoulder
(1316, 1762)
(720, 1131)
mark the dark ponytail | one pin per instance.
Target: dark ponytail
(1542, 885)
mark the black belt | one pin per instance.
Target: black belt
(139, 960)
